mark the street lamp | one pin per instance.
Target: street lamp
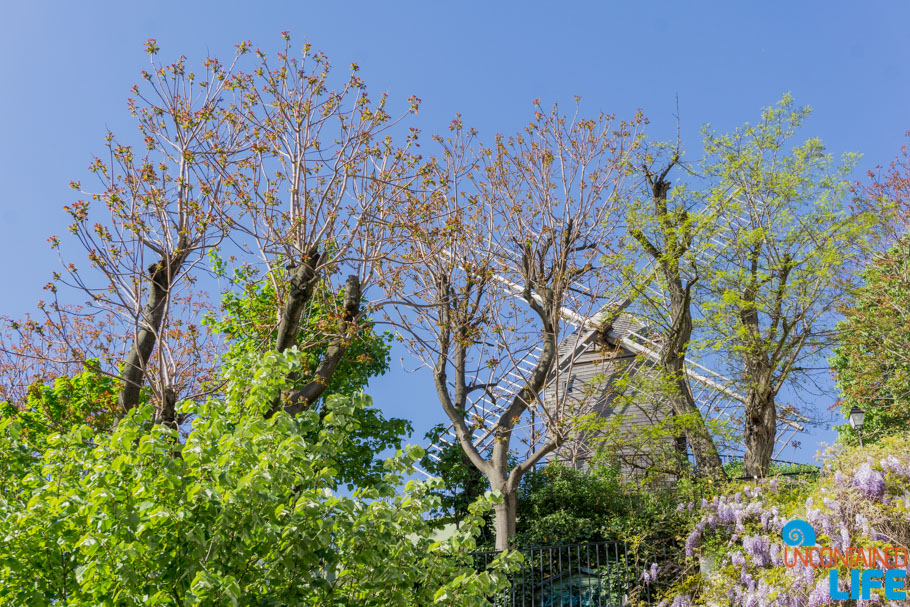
(857, 417)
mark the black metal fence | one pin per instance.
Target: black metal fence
(779, 467)
(598, 574)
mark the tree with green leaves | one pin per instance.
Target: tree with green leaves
(241, 512)
(871, 361)
(248, 326)
(791, 240)
(671, 238)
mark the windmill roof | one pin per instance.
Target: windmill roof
(622, 327)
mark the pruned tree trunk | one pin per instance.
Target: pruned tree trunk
(699, 438)
(505, 517)
(303, 285)
(135, 365)
(303, 281)
(673, 362)
(760, 433)
(166, 412)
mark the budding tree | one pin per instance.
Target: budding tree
(296, 181)
(147, 229)
(508, 242)
(315, 202)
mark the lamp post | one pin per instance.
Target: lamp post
(857, 417)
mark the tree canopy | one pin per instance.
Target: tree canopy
(871, 361)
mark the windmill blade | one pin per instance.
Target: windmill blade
(789, 424)
(513, 381)
(488, 407)
(783, 439)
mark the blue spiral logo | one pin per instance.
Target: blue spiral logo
(798, 533)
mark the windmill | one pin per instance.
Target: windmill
(624, 336)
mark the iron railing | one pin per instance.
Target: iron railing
(804, 469)
(597, 574)
(779, 467)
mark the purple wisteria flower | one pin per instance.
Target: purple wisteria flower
(819, 595)
(844, 538)
(747, 580)
(693, 542)
(759, 548)
(895, 466)
(683, 600)
(777, 558)
(869, 481)
(757, 596)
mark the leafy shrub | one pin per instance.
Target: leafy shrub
(562, 505)
(241, 513)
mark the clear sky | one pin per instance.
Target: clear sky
(66, 69)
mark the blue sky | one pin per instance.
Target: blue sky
(66, 69)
